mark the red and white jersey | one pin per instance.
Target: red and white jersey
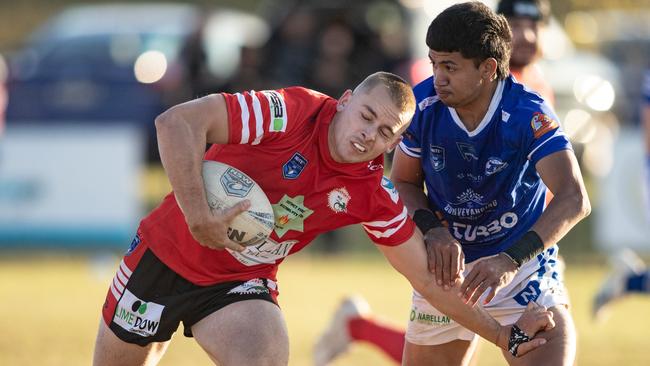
(280, 139)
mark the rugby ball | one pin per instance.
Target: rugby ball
(225, 186)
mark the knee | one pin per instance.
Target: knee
(263, 354)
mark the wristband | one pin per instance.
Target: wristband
(525, 248)
(426, 220)
(517, 337)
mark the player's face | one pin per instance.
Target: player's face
(525, 41)
(458, 81)
(368, 124)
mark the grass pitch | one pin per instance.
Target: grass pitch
(51, 306)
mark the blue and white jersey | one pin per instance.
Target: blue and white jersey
(484, 182)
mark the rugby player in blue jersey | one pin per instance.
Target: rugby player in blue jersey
(487, 151)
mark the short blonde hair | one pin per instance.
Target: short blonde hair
(398, 89)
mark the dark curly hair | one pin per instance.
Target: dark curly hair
(474, 30)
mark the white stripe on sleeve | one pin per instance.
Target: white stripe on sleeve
(413, 152)
(379, 224)
(387, 233)
(245, 134)
(259, 118)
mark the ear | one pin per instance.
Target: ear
(488, 69)
(343, 100)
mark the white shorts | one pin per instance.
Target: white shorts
(538, 280)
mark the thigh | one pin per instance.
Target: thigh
(112, 351)
(560, 348)
(456, 353)
(251, 332)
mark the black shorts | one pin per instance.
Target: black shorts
(147, 304)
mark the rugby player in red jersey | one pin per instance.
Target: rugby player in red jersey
(319, 160)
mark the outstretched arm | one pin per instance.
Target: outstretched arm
(183, 132)
(410, 260)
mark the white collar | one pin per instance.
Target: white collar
(496, 99)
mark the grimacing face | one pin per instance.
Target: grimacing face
(458, 80)
(366, 125)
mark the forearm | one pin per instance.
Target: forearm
(562, 214)
(412, 195)
(411, 261)
(474, 318)
(181, 149)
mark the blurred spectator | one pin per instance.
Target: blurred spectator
(291, 49)
(527, 19)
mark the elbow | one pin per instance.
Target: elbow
(581, 204)
(164, 120)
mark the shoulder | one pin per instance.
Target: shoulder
(520, 105)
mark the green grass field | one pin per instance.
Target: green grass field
(50, 309)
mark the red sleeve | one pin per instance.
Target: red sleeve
(390, 224)
(258, 116)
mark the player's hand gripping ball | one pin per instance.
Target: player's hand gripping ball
(226, 186)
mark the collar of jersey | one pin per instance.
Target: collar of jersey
(494, 103)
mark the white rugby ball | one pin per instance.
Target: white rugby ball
(225, 186)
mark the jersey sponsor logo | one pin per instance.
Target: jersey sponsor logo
(134, 244)
(337, 200)
(505, 116)
(434, 320)
(471, 233)
(137, 316)
(467, 151)
(266, 253)
(541, 124)
(236, 183)
(251, 287)
(290, 214)
(292, 168)
(389, 187)
(471, 177)
(469, 205)
(437, 157)
(494, 165)
(424, 103)
(277, 111)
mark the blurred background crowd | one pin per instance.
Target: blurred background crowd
(82, 83)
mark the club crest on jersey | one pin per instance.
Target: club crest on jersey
(437, 157)
(290, 214)
(292, 168)
(467, 151)
(494, 165)
(389, 187)
(277, 111)
(541, 124)
(235, 183)
(338, 199)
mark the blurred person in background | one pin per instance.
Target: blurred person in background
(559, 170)
(182, 267)
(527, 20)
(629, 275)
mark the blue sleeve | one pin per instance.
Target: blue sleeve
(544, 135)
(425, 97)
(410, 143)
